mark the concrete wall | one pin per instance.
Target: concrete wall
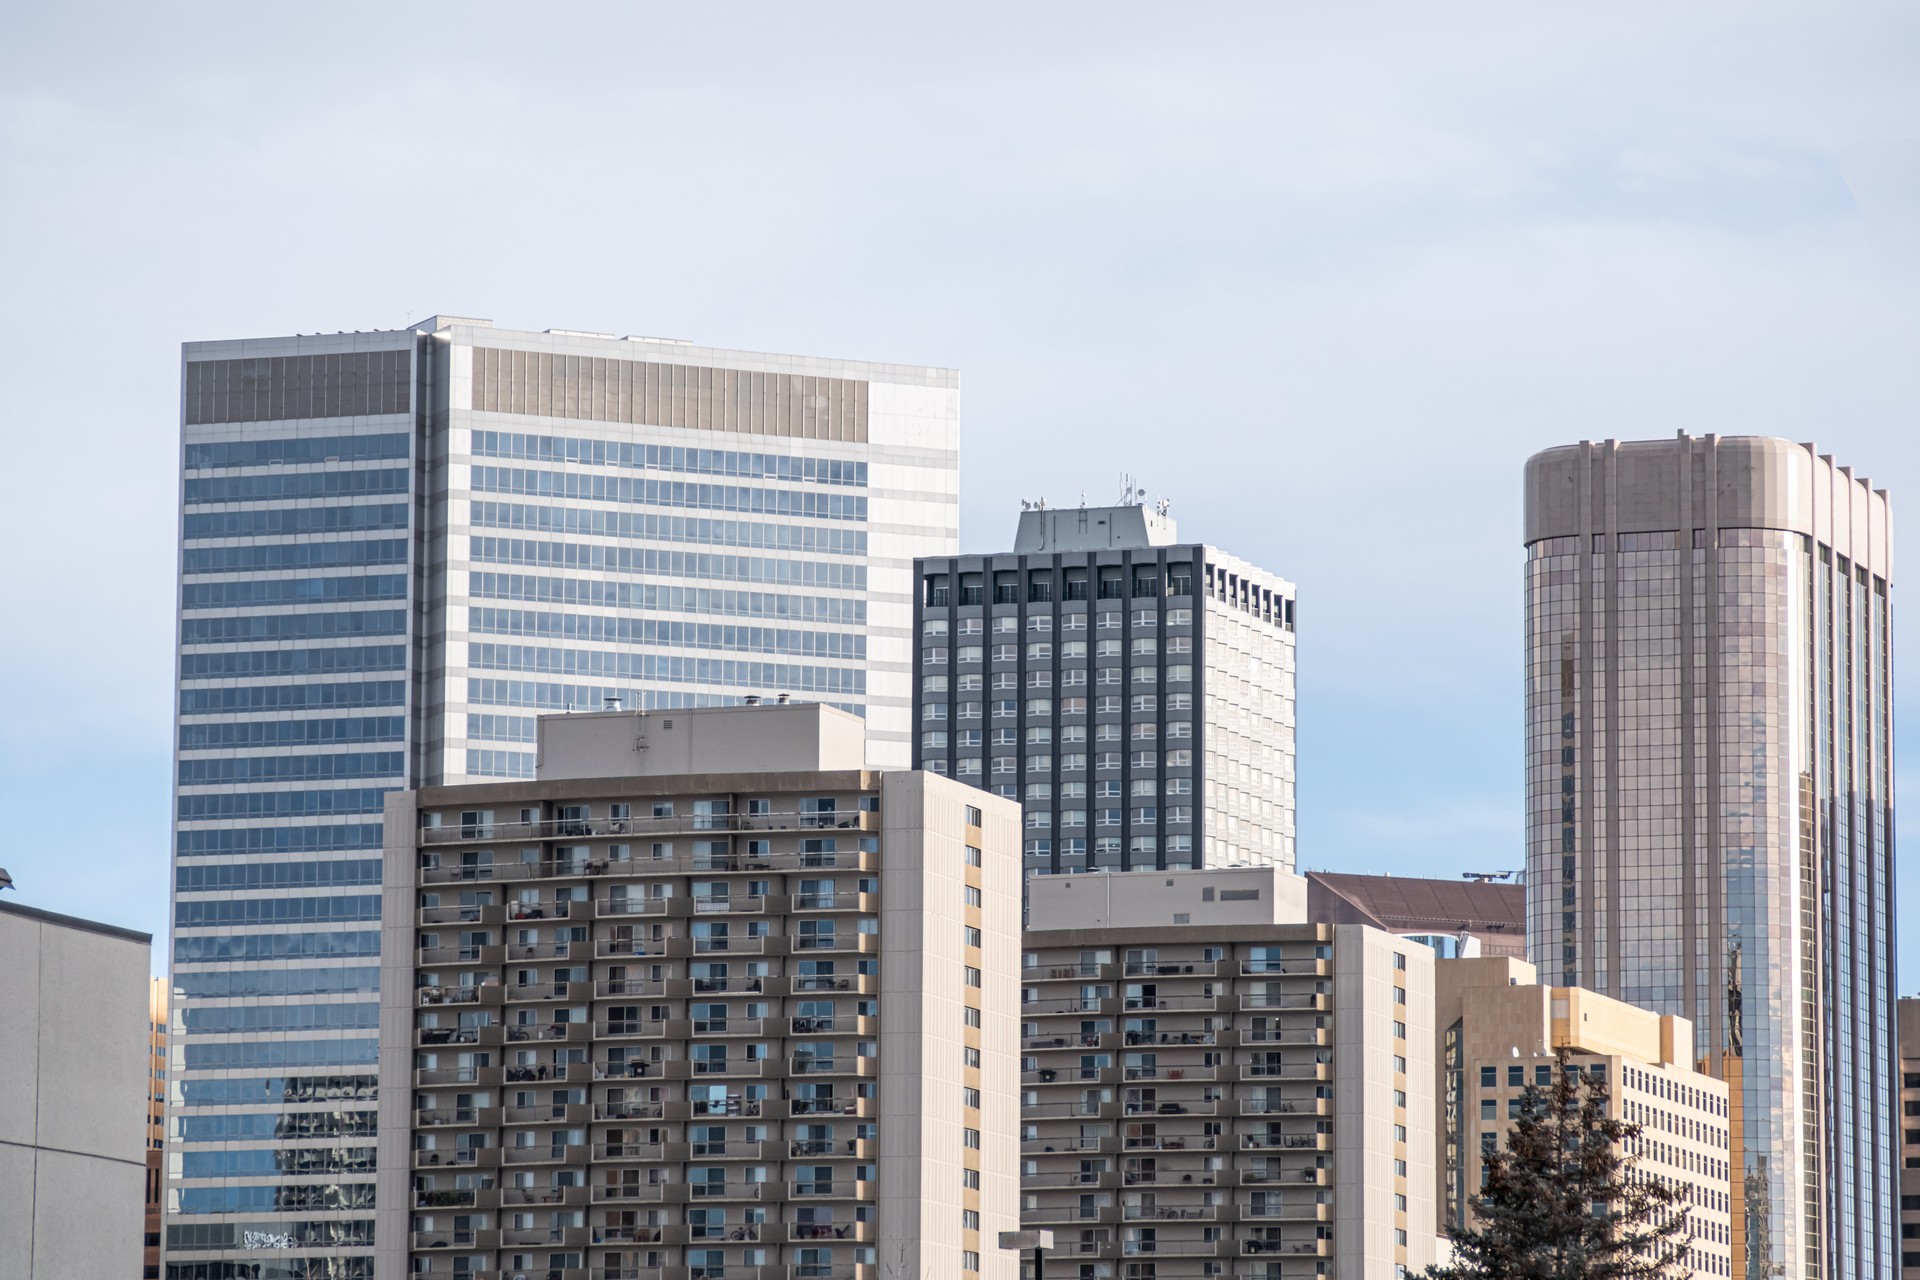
(74, 1057)
(1746, 482)
(802, 737)
(1135, 899)
(923, 1033)
(1092, 529)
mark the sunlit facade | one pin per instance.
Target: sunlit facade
(1709, 788)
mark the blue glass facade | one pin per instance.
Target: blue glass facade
(391, 561)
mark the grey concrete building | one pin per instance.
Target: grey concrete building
(397, 549)
(706, 999)
(75, 1060)
(1134, 692)
(1709, 748)
(1212, 1086)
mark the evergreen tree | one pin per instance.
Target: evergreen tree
(1563, 1202)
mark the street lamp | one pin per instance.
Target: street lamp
(1038, 1241)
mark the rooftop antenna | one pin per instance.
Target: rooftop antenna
(1486, 877)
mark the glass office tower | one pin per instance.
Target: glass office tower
(1710, 801)
(397, 548)
(1134, 692)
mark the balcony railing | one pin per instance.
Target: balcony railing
(645, 824)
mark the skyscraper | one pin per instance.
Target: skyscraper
(1134, 691)
(396, 548)
(1710, 801)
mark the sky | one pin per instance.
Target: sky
(1322, 276)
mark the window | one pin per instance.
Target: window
(969, 1259)
(970, 1139)
(1400, 962)
(973, 820)
(970, 1179)
(972, 894)
(969, 936)
(973, 853)
(1399, 1031)
(972, 1018)
(972, 976)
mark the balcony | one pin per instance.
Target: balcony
(1067, 1005)
(629, 1110)
(555, 1032)
(457, 1198)
(812, 983)
(1172, 1038)
(457, 1158)
(1284, 1175)
(1252, 1001)
(1067, 973)
(1169, 1142)
(489, 993)
(1161, 1071)
(544, 1154)
(1286, 1106)
(566, 1197)
(844, 1065)
(542, 1071)
(1271, 1141)
(1278, 1244)
(642, 1029)
(549, 1237)
(708, 1192)
(818, 1148)
(427, 957)
(1318, 1036)
(477, 913)
(1302, 968)
(843, 942)
(1285, 1208)
(1310, 1071)
(835, 1189)
(641, 825)
(1169, 1213)
(1176, 1003)
(472, 1117)
(1171, 968)
(548, 1113)
(804, 1108)
(466, 1238)
(868, 903)
(733, 1026)
(1042, 1042)
(549, 991)
(639, 1193)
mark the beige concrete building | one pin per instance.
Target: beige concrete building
(156, 1122)
(1909, 1032)
(1212, 1086)
(74, 1059)
(705, 998)
(1501, 1032)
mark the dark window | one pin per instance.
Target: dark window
(1076, 584)
(1039, 587)
(1006, 587)
(937, 589)
(1112, 585)
(972, 590)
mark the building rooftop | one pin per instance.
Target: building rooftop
(1210, 897)
(1408, 904)
(1093, 529)
(75, 922)
(765, 737)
